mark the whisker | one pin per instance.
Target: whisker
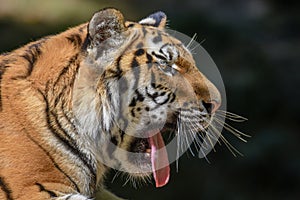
(191, 41)
(196, 136)
(210, 136)
(233, 130)
(231, 116)
(202, 41)
(115, 176)
(127, 180)
(235, 119)
(230, 147)
(181, 138)
(204, 140)
(178, 142)
(195, 47)
(187, 135)
(204, 155)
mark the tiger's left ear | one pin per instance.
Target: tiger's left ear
(158, 19)
(105, 24)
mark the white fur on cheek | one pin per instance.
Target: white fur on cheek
(85, 101)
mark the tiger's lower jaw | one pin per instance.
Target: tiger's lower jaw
(150, 156)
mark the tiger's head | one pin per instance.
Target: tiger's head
(137, 85)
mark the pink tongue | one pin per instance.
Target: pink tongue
(159, 159)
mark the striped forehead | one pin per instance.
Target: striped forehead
(152, 39)
(155, 37)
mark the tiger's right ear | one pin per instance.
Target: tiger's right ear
(105, 24)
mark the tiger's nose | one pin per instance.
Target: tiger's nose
(211, 106)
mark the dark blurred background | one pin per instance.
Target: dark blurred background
(256, 46)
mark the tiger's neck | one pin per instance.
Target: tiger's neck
(45, 84)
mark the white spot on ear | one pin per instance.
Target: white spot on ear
(147, 21)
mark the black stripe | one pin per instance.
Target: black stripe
(123, 87)
(139, 97)
(43, 189)
(130, 25)
(66, 115)
(67, 85)
(132, 112)
(170, 53)
(86, 43)
(158, 56)
(133, 102)
(52, 159)
(149, 58)
(59, 96)
(54, 163)
(68, 142)
(123, 133)
(119, 70)
(136, 72)
(72, 61)
(75, 39)
(31, 56)
(139, 52)
(69, 197)
(173, 98)
(163, 46)
(155, 95)
(5, 189)
(69, 120)
(63, 72)
(112, 146)
(59, 99)
(81, 29)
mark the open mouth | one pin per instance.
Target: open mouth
(155, 152)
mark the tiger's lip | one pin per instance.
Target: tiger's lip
(142, 141)
(142, 138)
(142, 135)
(149, 128)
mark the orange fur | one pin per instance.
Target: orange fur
(23, 150)
(49, 129)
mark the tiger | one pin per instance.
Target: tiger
(101, 95)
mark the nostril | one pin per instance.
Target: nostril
(211, 107)
(207, 106)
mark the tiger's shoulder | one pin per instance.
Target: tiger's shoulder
(51, 53)
(67, 42)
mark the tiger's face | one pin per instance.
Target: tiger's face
(141, 84)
